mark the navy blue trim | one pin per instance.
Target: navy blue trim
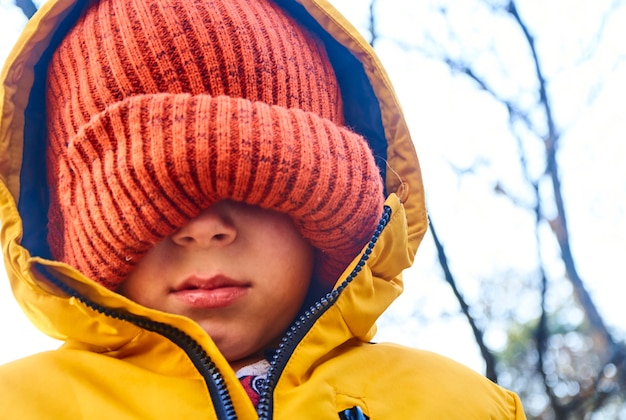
(34, 199)
(354, 413)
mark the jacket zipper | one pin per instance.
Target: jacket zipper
(216, 385)
(304, 323)
(220, 397)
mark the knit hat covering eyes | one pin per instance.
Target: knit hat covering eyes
(159, 109)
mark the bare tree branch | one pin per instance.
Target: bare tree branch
(27, 6)
(512, 108)
(561, 231)
(372, 23)
(490, 362)
(600, 380)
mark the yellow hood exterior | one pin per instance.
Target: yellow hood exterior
(113, 368)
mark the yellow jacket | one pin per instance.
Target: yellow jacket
(121, 360)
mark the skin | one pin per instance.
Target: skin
(239, 271)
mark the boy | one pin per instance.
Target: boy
(202, 218)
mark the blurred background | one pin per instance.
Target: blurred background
(516, 111)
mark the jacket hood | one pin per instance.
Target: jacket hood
(371, 109)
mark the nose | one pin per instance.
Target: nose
(212, 227)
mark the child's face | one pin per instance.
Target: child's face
(239, 271)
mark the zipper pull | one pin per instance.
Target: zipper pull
(354, 413)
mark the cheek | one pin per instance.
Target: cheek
(279, 237)
(140, 283)
(298, 272)
(290, 260)
(293, 254)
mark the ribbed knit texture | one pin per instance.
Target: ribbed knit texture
(158, 109)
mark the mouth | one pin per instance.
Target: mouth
(210, 293)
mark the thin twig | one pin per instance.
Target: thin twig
(27, 6)
(560, 227)
(490, 362)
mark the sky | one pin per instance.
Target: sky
(455, 128)
(488, 238)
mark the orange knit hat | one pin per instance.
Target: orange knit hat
(158, 109)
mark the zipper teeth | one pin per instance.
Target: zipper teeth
(304, 323)
(218, 391)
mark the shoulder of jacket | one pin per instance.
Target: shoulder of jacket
(34, 387)
(431, 383)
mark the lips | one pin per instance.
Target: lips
(210, 293)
